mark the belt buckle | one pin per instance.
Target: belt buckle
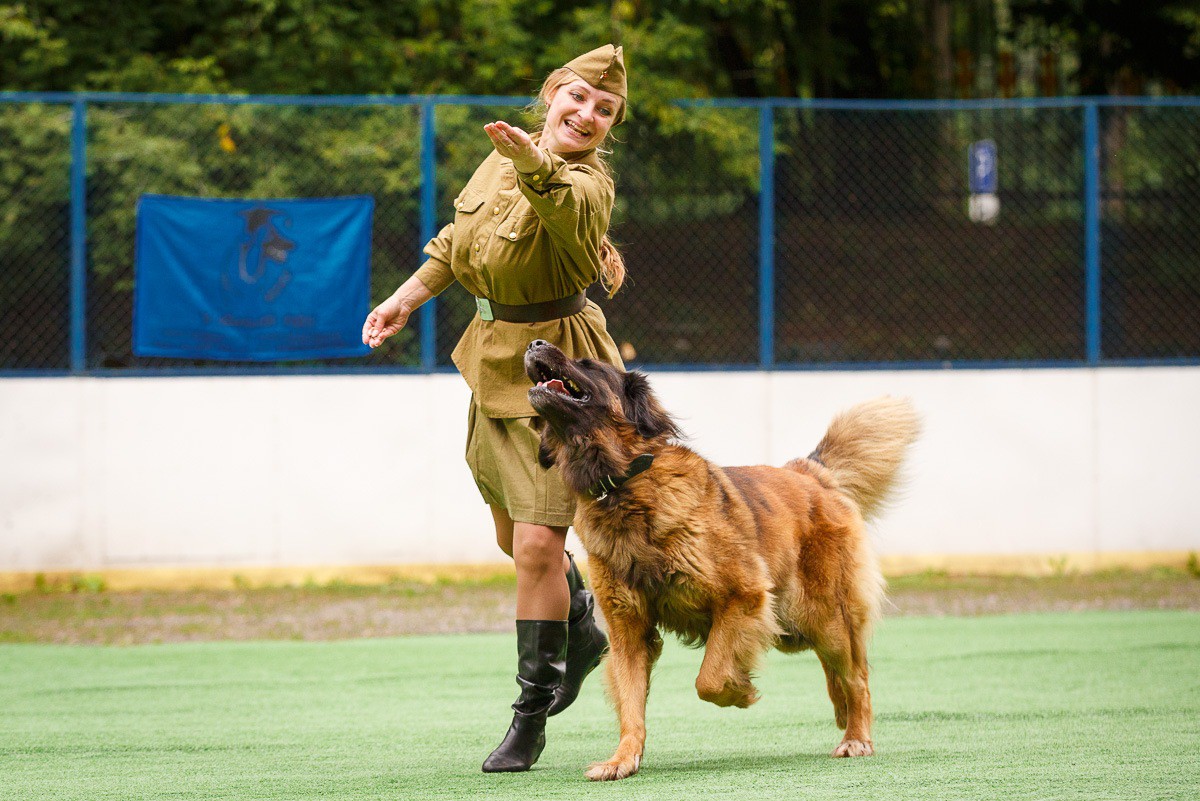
(485, 309)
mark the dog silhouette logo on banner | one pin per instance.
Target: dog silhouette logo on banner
(251, 280)
(261, 273)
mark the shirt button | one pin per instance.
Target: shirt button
(496, 210)
(476, 247)
(512, 234)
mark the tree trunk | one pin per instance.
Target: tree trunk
(732, 57)
(943, 56)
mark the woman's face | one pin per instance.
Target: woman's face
(579, 117)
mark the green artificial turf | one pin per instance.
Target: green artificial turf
(1089, 706)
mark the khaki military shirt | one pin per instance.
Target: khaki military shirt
(519, 239)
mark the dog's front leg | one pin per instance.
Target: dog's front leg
(635, 647)
(741, 630)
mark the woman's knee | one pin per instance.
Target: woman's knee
(538, 549)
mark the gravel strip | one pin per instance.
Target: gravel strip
(345, 612)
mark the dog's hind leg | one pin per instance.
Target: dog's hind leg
(842, 650)
(741, 630)
(836, 694)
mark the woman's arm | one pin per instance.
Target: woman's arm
(389, 317)
(434, 276)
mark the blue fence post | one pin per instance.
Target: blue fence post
(766, 236)
(1091, 217)
(428, 221)
(78, 236)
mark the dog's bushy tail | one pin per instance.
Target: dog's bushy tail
(864, 448)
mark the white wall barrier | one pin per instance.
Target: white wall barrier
(109, 473)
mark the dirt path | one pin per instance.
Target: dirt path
(340, 612)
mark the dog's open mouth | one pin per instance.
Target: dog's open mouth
(560, 384)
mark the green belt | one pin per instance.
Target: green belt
(532, 312)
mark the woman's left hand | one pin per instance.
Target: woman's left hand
(513, 143)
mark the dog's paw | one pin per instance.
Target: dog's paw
(744, 697)
(739, 695)
(854, 748)
(613, 769)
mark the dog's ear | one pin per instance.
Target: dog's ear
(545, 456)
(548, 445)
(643, 409)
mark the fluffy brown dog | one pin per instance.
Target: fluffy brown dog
(740, 559)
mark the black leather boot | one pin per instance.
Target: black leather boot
(541, 655)
(586, 643)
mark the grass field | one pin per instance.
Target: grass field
(1093, 705)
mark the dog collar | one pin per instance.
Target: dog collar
(609, 484)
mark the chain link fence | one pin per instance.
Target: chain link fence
(35, 241)
(878, 260)
(756, 234)
(1150, 242)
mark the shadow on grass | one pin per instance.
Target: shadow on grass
(758, 764)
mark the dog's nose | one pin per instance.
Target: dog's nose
(537, 343)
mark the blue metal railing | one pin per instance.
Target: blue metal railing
(78, 235)
(766, 237)
(428, 227)
(1091, 192)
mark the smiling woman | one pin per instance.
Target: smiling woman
(579, 117)
(530, 235)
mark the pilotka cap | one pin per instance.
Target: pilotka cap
(603, 68)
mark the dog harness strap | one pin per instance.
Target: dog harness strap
(609, 484)
(533, 312)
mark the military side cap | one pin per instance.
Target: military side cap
(603, 68)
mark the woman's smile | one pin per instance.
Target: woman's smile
(578, 130)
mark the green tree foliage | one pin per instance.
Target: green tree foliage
(1121, 46)
(748, 48)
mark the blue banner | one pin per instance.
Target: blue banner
(251, 280)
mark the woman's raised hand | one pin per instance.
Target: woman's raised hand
(511, 142)
(385, 320)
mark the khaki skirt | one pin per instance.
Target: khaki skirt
(502, 455)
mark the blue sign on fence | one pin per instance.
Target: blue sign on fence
(251, 280)
(982, 167)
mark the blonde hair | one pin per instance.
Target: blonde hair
(612, 264)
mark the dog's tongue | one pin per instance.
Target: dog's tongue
(556, 385)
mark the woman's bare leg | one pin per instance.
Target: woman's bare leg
(541, 571)
(541, 589)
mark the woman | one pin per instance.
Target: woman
(529, 236)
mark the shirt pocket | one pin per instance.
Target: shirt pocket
(468, 202)
(517, 227)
